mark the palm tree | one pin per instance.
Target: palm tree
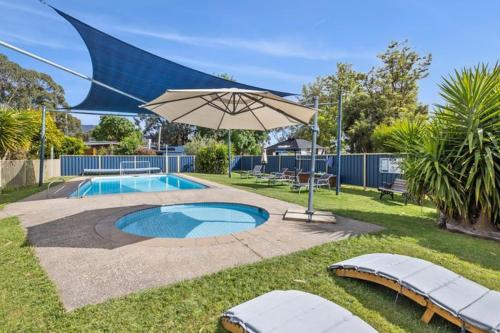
(16, 131)
(455, 159)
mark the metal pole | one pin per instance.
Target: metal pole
(315, 130)
(166, 158)
(42, 148)
(339, 142)
(159, 138)
(229, 150)
(48, 62)
(52, 161)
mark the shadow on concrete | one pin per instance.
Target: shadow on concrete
(344, 227)
(78, 230)
(58, 190)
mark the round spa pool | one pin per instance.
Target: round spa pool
(192, 220)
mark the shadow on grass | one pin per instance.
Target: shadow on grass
(402, 311)
(426, 234)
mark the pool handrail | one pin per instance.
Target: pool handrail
(52, 182)
(79, 185)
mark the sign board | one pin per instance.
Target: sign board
(390, 165)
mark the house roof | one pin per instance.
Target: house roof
(293, 144)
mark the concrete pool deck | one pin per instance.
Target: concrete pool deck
(90, 260)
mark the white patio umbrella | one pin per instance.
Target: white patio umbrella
(229, 108)
(233, 108)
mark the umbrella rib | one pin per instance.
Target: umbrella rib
(222, 101)
(248, 106)
(277, 110)
(221, 119)
(191, 111)
(215, 105)
(248, 110)
(176, 100)
(260, 122)
(238, 103)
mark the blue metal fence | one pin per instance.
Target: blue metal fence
(74, 165)
(357, 169)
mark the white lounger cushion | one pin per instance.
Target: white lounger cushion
(457, 295)
(294, 311)
(485, 313)
(462, 297)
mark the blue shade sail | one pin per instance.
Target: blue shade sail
(136, 72)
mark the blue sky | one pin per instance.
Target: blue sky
(274, 44)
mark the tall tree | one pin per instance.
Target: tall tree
(25, 89)
(173, 134)
(113, 128)
(379, 97)
(397, 78)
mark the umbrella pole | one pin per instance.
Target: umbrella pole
(229, 150)
(315, 130)
(339, 143)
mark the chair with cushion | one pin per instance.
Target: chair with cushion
(292, 311)
(461, 301)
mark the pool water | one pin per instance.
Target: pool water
(131, 184)
(194, 220)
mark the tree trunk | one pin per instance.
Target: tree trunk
(483, 223)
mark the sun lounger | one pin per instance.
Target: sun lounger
(273, 176)
(257, 170)
(285, 178)
(443, 292)
(291, 311)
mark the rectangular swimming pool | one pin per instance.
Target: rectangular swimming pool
(133, 184)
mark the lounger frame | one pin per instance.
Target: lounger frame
(431, 308)
(230, 326)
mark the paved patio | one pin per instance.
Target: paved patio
(90, 261)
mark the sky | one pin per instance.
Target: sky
(278, 45)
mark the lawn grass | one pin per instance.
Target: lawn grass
(8, 195)
(28, 300)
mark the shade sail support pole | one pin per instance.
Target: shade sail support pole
(42, 148)
(315, 130)
(67, 70)
(339, 143)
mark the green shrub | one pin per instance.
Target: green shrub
(72, 146)
(130, 144)
(198, 142)
(145, 151)
(212, 159)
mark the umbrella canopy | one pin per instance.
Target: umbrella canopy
(229, 108)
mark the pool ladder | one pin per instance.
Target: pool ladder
(79, 185)
(52, 182)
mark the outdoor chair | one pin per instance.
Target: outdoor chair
(257, 170)
(323, 181)
(398, 186)
(285, 177)
(273, 175)
(291, 311)
(459, 300)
